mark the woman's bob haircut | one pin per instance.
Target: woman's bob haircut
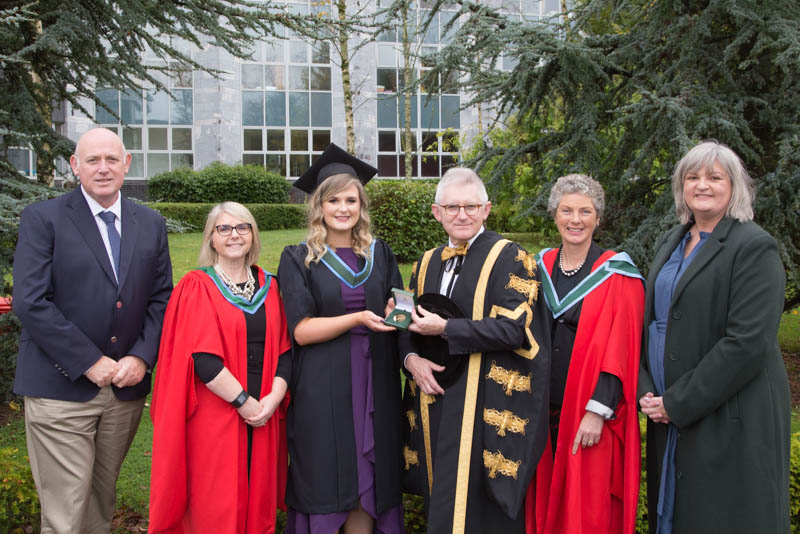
(703, 156)
(208, 256)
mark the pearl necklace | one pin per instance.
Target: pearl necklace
(247, 291)
(571, 272)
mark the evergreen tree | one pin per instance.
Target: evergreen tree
(626, 87)
(53, 51)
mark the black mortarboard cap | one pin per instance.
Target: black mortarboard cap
(334, 161)
(435, 348)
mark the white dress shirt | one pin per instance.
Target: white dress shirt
(116, 209)
(449, 265)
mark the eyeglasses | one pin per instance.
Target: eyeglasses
(225, 229)
(453, 209)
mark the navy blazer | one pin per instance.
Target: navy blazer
(71, 307)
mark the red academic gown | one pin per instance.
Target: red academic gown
(596, 490)
(199, 480)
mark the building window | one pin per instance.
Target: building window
(155, 128)
(286, 104)
(435, 118)
(24, 160)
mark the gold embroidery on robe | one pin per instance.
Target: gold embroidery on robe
(504, 420)
(510, 380)
(497, 463)
(410, 457)
(412, 419)
(514, 315)
(527, 261)
(412, 388)
(529, 288)
(426, 400)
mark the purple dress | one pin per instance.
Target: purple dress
(391, 521)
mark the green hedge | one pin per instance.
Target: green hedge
(794, 483)
(19, 504)
(400, 211)
(268, 216)
(219, 182)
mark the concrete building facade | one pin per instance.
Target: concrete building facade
(282, 107)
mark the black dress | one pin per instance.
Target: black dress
(323, 467)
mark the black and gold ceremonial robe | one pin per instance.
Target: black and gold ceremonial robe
(471, 453)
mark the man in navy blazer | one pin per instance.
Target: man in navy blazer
(92, 276)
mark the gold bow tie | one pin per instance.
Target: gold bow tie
(451, 252)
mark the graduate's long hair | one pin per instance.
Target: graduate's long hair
(318, 232)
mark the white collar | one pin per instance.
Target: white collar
(469, 243)
(95, 207)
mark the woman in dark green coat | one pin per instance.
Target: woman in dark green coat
(712, 379)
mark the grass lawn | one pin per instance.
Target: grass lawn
(789, 331)
(133, 488)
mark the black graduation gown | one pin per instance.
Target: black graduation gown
(322, 450)
(494, 500)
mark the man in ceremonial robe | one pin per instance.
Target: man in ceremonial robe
(473, 440)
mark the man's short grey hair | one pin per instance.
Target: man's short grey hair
(463, 176)
(703, 156)
(579, 184)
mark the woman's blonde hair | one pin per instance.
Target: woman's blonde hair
(318, 232)
(703, 156)
(208, 256)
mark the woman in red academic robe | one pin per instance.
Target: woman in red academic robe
(219, 453)
(588, 478)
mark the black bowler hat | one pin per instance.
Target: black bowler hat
(334, 161)
(435, 348)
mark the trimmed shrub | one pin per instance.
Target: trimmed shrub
(268, 216)
(19, 504)
(503, 218)
(400, 211)
(9, 340)
(642, 525)
(794, 483)
(219, 182)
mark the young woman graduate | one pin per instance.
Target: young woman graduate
(219, 454)
(344, 422)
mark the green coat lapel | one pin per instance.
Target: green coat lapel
(662, 255)
(710, 249)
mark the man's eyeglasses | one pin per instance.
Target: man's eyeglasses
(453, 209)
(225, 229)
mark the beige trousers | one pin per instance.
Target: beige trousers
(76, 450)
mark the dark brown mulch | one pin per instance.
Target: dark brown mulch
(128, 520)
(792, 361)
(8, 414)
